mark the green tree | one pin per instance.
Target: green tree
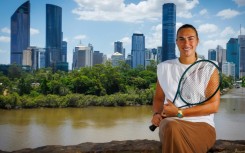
(14, 71)
(24, 87)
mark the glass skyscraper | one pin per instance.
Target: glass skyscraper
(53, 35)
(118, 47)
(241, 43)
(138, 50)
(168, 31)
(20, 33)
(232, 54)
(212, 54)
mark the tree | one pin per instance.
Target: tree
(14, 71)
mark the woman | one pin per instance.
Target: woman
(189, 129)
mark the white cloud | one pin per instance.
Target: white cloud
(228, 32)
(228, 13)
(240, 2)
(80, 37)
(212, 44)
(242, 31)
(34, 31)
(207, 28)
(4, 39)
(126, 41)
(155, 39)
(5, 30)
(203, 12)
(111, 10)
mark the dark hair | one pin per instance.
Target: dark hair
(188, 26)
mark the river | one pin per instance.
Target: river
(31, 128)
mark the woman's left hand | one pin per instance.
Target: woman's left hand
(169, 109)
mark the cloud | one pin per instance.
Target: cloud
(228, 13)
(240, 2)
(5, 30)
(34, 31)
(3, 55)
(203, 12)
(111, 10)
(80, 37)
(4, 39)
(207, 28)
(155, 38)
(126, 41)
(228, 32)
(241, 31)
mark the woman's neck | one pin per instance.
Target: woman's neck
(187, 60)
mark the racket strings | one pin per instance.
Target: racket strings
(199, 83)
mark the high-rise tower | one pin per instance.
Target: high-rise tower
(168, 31)
(53, 35)
(20, 33)
(232, 54)
(241, 43)
(138, 50)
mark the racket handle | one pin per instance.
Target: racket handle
(152, 127)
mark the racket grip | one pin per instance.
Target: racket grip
(152, 127)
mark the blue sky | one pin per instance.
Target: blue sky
(101, 23)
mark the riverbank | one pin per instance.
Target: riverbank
(129, 146)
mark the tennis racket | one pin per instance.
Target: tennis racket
(199, 83)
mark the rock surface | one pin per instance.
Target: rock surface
(129, 146)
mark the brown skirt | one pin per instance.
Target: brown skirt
(178, 136)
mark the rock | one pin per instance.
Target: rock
(129, 146)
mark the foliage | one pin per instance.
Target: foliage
(100, 85)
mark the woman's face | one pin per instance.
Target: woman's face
(187, 42)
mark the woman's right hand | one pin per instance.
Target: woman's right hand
(156, 119)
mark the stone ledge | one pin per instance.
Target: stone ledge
(129, 146)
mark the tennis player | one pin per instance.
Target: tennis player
(188, 129)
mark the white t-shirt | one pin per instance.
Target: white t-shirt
(169, 73)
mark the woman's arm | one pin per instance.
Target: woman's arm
(158, 105)
(209, 107)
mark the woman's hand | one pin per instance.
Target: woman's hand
(169, 109)
(156, 119)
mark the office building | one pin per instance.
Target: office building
(118, 47)
(82, 56)
(116, 58)
(42, 53)
(97, 57)
(64, 51)
(138, 50)
(53, 35)
(241, 45)
(168, 31)
(31, 57)
(221, 55)
(232, 54)
(212, 54)
(20, 33)
(228, 69)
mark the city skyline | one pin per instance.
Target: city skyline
(103, 23)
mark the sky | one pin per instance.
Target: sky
(103, 22)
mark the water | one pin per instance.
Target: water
(31, 128)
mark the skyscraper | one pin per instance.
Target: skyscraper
(64, 51)
(221, 55)
(82, 56)
(97, 57)
(212, 54)
(168, 31)
(53, 34)
(20, 33)
(118, 47)
(232, 54)
(138, 50)
(241, 43)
